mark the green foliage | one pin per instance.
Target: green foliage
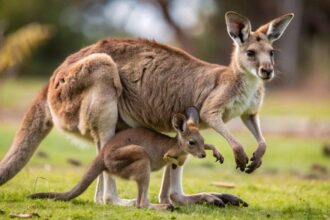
(15, 14)
(19, 45)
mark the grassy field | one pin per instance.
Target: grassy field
(291, 184)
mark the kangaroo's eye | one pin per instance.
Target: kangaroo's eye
(192, 142)
(250, 53)
(271, 53)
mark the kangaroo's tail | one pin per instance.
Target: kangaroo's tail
(93, 171)
(35, 126)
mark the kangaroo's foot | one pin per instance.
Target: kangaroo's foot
(201, 198)
(166, 207)
(229, 199)
(120, 202)
(164, 200)
(217, 199)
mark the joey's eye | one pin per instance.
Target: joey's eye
(192, 142)
(250, 53)
(271, 53)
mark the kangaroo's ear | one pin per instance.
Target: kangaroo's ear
(179, 122)
(238, 27)
(274, 29)
(192, 115)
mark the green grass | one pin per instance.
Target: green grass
(298, 106)
(19, 93)
(277, 190)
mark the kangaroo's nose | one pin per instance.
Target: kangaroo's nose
(203, 155)
(266, 72)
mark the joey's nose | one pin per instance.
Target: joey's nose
(203, 155)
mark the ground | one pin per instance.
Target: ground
(293, 182)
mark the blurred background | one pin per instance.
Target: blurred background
(54, 29)
(37, 35)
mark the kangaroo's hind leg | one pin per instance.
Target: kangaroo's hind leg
(99, 115)
(86, 97)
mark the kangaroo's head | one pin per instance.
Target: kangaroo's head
(189, 138)
(254, 53)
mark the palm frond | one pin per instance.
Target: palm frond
(19, 45)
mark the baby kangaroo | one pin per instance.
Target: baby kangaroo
(133, 153)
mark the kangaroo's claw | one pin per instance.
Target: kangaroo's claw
(240, 157)
(229, 199)
(256, 159)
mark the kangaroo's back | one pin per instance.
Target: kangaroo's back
(158, 81)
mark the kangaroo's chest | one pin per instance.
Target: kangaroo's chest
(244, 102)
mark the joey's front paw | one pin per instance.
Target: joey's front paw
(169, 159)
(240, 157)
(218, 156)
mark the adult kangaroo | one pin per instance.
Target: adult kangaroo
(120, 83)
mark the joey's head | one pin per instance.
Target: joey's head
(189, 138)
(254, 53)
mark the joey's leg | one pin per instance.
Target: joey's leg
(164, 194)
(110, 195)
(215, 151)
(252, 123)
(215, 121)
(110, 192)
(143, 188)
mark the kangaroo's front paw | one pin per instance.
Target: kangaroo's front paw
(240, 157)
(218, 156)
(256, 159)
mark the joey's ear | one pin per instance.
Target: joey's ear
(238, 27)
(179, 122)
(274, 29)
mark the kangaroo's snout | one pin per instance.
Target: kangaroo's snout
(266, 73)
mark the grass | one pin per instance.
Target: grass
(277, 190)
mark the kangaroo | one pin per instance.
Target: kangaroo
(131, 154)
(120, 83)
